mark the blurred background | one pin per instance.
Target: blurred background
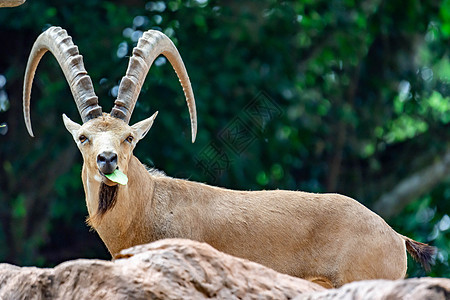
(322, 96)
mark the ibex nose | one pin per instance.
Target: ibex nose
(107, 162)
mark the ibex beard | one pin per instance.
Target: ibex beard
(329, 239)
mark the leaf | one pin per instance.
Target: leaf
(118, 176)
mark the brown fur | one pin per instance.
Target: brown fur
(107, 198)
(421, 252)
(327, 238)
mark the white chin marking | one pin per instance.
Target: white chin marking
(98, 177)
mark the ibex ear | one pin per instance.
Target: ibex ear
(71, 126)
(143, 127)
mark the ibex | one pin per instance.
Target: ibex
(326, 238)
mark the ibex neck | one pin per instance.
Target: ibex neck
(119, 227)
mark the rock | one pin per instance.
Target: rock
(414, 288)
(184, 269)
(166, 269)
(11, 3)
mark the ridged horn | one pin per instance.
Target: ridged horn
(152, 44)
(59, 43)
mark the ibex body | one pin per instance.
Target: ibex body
(326, 238)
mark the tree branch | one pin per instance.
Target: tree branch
(392, 203)
(11, 3)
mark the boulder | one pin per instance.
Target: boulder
(166, 269)
(184, 269)
(413, 288)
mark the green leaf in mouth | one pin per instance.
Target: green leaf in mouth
(117, 176)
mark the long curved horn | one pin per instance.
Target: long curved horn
(59, 43)
(152, 44)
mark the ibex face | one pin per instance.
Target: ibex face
(106, 143)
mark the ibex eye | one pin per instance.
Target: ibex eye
(82, 138)
(129, 139)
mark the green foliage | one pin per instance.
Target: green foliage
(359, 93)
(118, 176)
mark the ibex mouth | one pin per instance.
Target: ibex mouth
(105, 179)
(116, 177)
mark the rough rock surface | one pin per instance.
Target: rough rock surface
(11, 3)
(166, 269)
(183, 269)
(413, 288)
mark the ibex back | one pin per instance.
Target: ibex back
(326, 238)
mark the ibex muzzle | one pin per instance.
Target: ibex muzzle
(107, 162)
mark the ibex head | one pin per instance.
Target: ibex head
(106, 141)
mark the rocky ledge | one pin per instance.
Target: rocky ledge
(184, 269)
